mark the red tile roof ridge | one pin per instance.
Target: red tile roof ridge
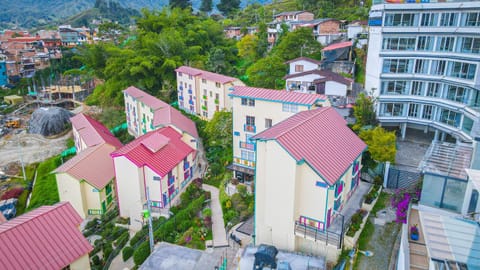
(276, 95)
(212, 76)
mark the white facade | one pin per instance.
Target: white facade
(423, 66)
(139, 116)
(291, 194)
(301, 65)
(353, 30)
(264, 113)
(164, 192)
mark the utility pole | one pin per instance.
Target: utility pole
(150, 228)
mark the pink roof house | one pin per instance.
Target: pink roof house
(160, 161)
(45, 238)
(308, 166)
(86, 180)
(202, 92)
(146, 113)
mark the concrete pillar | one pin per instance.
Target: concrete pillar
(385, 175)
(403, 128)
(425, 130)
(444, 136)
(435, 138)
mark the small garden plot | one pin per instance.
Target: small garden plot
(356, 222)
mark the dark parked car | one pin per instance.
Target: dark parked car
(265, 256)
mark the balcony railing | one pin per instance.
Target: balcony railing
(249, 128)
(329, 237)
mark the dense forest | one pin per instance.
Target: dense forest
(166, 39)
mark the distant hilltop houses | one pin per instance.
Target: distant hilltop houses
(22, 53)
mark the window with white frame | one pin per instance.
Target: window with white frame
(445, 44)
(421, 66)
(286, 107)
(448, 19)
(417, 88)
(397, 65)
(393, 109)
(394, 87)
(268, 123)
(250, 120)
(433, 89)
(429, 19)
(400, 19)
(469, 45)
(449, 117)
(424, 43)
(461, 70)
(399, 43)
(247, 155)
(204, 81)
(472, 19)
(456, 93)
(438, 67)
(413, 110)
(427, 112)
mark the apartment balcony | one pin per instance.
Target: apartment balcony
(180, 98)
(190, 102)
(315, 234)
(247, 146)
(190, 91)
(249, 128)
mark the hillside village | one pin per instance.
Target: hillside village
(317, 143)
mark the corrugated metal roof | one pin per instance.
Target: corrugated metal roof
(338, 46)
(321, 138)
(45, 238)
(304, 59)
(93, 165)
(161, 161)
(276, 95)
(164, 114)
(206, 74)
(93, 132)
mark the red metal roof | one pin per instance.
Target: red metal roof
(206, 74)
(93, 165)
(276, 95)
(338, 46)
(45, 238)
(93, 132)
(304, 59)
(164, 159)
(164, 114)
(321, 138)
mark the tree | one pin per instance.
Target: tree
(381, 144)
(180, 4)
(228, 6)
(298, 43)
(247, 47)
(363, 112)
(206, 6)
(111, 31)
(267, 72)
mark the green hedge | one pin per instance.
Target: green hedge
(45, 191)
(127, 252)
(141, 253)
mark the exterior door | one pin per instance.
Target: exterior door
(329, 214)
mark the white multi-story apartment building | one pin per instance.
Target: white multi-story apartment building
(203, 93)
(423, 66)
(257, 109)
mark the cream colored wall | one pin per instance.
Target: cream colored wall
(153, 185)
(261, 111)
(195, 89)
(142, 110)
(275, 196)
(130, 190)
(91, 197)
(133, 120)
(82, 263)
(70, 190)
(311, 199)
(335, 89)
(188, 139)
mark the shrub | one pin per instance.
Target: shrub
(207, 212)
(401, 200)
(122, 240)
(127, 252)
(12, 193)
(121, 220)
(138, 236)
(141, 253)
(107, 250)
(242, 190)
(96, 260)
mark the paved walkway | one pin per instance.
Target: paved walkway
(218, 228)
